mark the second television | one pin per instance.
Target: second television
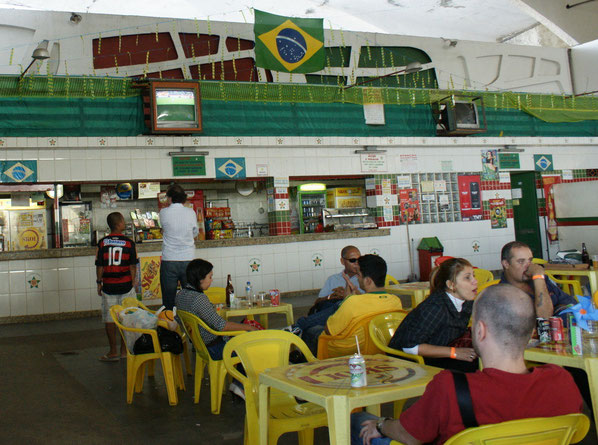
(175, 107)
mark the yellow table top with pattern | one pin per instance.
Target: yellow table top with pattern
(262, 311)
(327, 383)
(418, 291)
(560, 354)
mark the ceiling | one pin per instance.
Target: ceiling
(481, 20)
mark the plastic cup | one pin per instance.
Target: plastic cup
(595, 261)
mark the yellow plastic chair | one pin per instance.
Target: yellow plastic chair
(483, 275)
(572, 287)
(132, 302)
(136, 363)
(333, 345)
(382, 328)
(216, 370)
(259, 350)
(487, 284)
(595, 298)
(539, 261)
(390, 280)
(558, 430)
(216, 295)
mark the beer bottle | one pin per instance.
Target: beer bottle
(585, 257)
(230, 291)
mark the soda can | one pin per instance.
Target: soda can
(274, 297)
(358, 371)
(543, 329)
(556, 329)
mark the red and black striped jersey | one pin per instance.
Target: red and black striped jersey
(116, 253)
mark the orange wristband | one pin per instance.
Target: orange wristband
(538, 277)
(453, 353)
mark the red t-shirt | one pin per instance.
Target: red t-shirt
(497, 396)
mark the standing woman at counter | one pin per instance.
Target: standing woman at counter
(430, 328)
(179, 229)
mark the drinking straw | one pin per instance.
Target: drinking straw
(357, 342)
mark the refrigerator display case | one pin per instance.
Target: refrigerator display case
(336, 220)
(75, 223)
(311, 199)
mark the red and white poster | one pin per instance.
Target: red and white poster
(547, 182)
(470, 197)
(409, 205)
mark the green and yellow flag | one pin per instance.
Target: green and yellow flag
(288, 44)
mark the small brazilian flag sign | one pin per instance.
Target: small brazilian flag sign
(288, 44)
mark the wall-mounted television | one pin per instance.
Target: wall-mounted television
(459, 117)
(175, 107)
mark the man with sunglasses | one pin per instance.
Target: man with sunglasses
(336, 288)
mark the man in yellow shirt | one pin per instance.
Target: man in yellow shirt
(375, 300)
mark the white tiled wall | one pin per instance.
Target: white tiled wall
(68, 284)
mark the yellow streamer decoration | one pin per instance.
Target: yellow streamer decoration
(12, 52)
(157, 39)
(147, 61)
(99, 43)
(120, 38)
(116, 64)
(243, 14)
(193, 52)
(197, 27)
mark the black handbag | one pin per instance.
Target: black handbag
(170, 341)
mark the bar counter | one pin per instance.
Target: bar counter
(156, 246)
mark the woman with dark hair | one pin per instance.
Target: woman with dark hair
(193, 299)
(430, 328)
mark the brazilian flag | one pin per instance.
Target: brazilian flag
(288, 44)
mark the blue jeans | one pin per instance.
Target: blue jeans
(171, 273)
(318, 318)
(356, 420)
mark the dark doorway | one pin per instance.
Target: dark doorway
(525, 210)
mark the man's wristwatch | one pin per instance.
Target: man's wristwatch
(99, 281)
(380, 422)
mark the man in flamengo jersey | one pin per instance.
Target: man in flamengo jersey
(116, 266)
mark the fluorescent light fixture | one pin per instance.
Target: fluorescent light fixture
(59, 190)
(188, 151)
(369, 149)
(511, 149)
(314, 187)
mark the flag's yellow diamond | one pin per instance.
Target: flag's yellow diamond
(294, 46)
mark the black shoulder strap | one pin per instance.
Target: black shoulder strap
(464, 399)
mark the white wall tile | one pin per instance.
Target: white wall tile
(49, 279)
(4, 282)
(51, 302)
(67, 301)
(35, 303)
(17, 282)
(4, 305)
(83, 299)
(18, 304)
(83, 278)
(66, 279)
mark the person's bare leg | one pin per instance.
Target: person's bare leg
(111, 333)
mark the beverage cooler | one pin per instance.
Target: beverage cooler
(75, 224)
(311, 199)
(23, 228)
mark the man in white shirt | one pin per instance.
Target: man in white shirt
(179, 229)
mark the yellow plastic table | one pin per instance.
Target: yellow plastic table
(327, 383)
(560, 354)
(591, 273)
(262, 311)
(417, 290)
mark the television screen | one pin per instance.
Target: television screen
(466, 115)
(175, 107)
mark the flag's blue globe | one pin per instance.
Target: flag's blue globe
(19, 173)
(291, 45)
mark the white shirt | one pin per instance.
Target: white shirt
(179, 227)
(457, 302)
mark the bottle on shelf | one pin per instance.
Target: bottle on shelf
(585, 257)
(249, 293)
(230, 292)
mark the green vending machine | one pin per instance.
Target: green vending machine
(311, 199)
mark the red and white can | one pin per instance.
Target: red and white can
(274, 297)
(556, 329)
